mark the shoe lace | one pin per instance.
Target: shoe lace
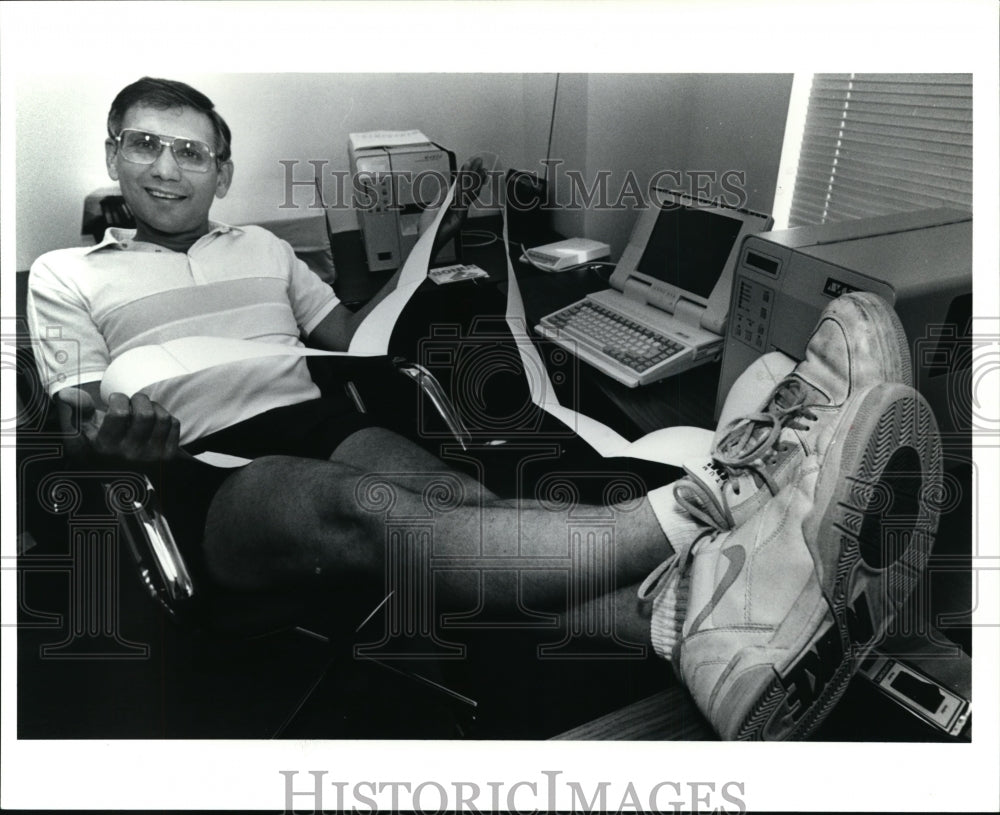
(672, 572)
(691, 500)
(757, 436)
(679, 561)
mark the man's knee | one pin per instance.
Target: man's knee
(281, 517)
(249, 490)
(233, 525)
(376, 448)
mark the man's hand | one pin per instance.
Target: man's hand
(133, 429)
(335, 331)
(468, 183)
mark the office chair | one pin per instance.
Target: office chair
(164, 571)
(56, 494)
(152, 539)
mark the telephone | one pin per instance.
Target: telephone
(101, 212)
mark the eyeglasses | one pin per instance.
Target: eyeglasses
(140, 147)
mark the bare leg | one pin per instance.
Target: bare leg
(285, 522)
(622, 606)
(377, 450)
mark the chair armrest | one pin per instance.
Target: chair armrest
(432, 389)
(161, 565)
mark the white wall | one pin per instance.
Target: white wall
(737, 122)
(635, 123)
(60, 156)
(618, 122)
(274, 117)
(646, 123)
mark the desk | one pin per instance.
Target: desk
(685, 399)
(355, 285)
(500, 662)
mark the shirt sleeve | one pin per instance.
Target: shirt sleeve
(68, 348)
(312, 299)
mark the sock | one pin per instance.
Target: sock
(669, 610)
(679, 527)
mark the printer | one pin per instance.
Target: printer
(919, 262)
(397, 175)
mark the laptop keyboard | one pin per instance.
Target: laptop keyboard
(624, 349)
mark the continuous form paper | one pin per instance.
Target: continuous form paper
(146, 365)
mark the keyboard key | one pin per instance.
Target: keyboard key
(636, 346)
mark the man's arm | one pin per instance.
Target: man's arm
(335, 331)
(126, 429)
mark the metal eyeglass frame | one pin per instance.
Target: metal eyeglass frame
(164, 142)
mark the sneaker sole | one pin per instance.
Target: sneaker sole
(877, 528)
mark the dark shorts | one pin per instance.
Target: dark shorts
(311, 429)
(186, 488)
(541, 465)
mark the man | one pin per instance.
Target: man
(296, 518)
(180, 274)
(170, 203)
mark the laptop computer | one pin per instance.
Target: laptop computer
(669, 298)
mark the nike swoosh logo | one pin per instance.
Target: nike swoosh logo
(737, 557)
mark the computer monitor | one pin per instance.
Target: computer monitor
(686, 248)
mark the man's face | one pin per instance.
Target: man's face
(161, 195)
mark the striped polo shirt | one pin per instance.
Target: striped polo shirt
(88, 305)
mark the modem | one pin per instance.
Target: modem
(556, 257)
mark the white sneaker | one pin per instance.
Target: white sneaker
(766, 623)
(858, 342)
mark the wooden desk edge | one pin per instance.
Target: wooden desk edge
(669, 715)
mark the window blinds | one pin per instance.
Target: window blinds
(875, 144)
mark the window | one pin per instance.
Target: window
(874, 144)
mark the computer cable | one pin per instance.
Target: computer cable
(483, 237)
(552, 124)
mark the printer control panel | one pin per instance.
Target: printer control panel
(751, 317)
(374, 176)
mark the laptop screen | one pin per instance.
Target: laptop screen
(685, 247)
(689, 247)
